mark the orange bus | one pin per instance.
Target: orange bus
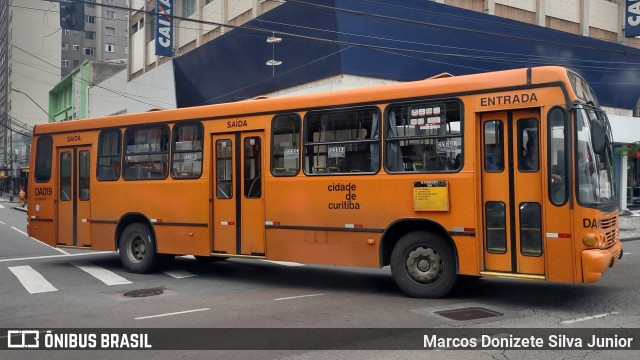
(501, 174)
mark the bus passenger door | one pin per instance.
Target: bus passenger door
(238, 205)
(512, 192)
(73, 197)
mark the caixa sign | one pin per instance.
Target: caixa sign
(164, 27)
(632, 22)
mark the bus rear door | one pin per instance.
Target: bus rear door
(238, 204)
(73, 198)
(512, 196)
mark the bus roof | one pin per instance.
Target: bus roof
(376, 94)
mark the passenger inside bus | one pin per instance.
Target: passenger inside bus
(529, 160)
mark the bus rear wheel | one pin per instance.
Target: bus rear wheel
(423, 265)
(137, 249)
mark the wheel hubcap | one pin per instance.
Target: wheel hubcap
(137, 249)
(424, 264)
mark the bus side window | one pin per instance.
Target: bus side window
(147, 153)
(109, 154)
(424, 137)
(44, 152)
(558, 148)
(187, 150)
(285, 145)
(529, 153)
(342, 141)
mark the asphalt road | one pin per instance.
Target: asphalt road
(86, 290)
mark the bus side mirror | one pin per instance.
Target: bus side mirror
(598, 137)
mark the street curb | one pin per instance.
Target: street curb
(20, 209)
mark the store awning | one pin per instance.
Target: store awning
(625, 129)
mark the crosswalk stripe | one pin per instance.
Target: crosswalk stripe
(179, 274)
(32, 281)
(102, 274)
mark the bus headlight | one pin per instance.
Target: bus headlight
(590, 240)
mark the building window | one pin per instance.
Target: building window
(188, 7)
(109, 31)
(90, 35)
(66, 32)
(138, 25)
(151, 29)
(109, 48)
(108, 1)
(65, 63)
(76, 47)
(91, 19)
(110, 15)
(89, 51)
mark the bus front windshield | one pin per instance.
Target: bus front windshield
(596, 186)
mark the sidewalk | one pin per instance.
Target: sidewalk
(15, 204)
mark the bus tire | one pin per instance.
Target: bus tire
(423, 265)
(137, 249)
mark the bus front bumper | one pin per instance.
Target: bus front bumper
(596, 261)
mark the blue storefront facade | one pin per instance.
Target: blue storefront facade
(404, 41)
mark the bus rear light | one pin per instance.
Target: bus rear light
(371, 242)
(353, 226)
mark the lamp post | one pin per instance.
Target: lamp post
(273, 40)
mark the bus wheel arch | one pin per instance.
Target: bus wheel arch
(423, 258)
(128, 219)
(137, 244)
(394, 232)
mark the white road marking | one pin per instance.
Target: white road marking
(1, 207)
(56, 256)
(297, 297)
(179, 274)
(2, 222)
(285, 263)
(32, 281)
(106, 276)
(20, 231)
(40, 242)
(170, 314)
(588, 318)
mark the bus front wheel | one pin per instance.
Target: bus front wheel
(137, 249)
(423, 265)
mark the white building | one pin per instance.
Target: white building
(29, 68)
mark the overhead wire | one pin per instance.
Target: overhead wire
(393, 50)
